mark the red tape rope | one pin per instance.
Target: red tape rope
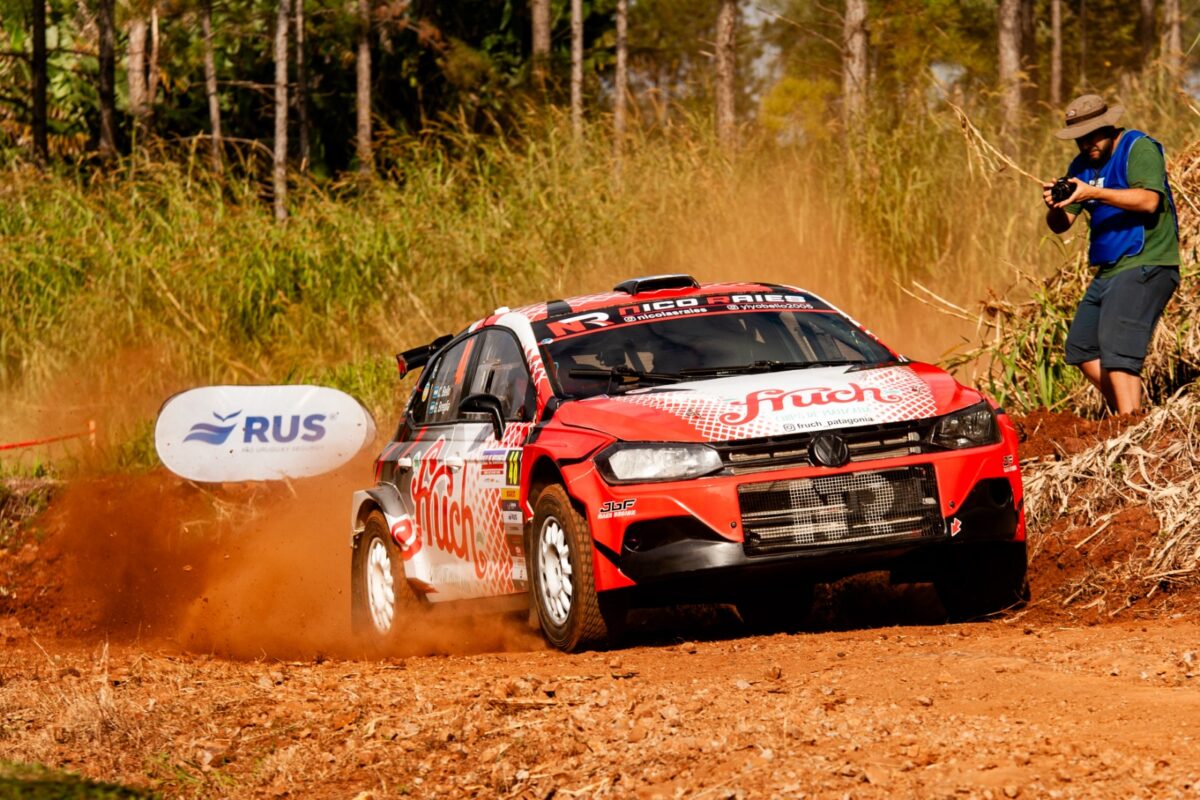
(90, 433)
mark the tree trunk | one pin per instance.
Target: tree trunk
(302, 87)
(726, 73)
(153, 75)
(279, 173)
(577, 69)
(362, 103)
(664, 96)
(540, 11)
(1172, 38)
(854, 59)
(1146, 38)
(135, 73)
(620, 81)
(1056, 97)
(210, 84)
(1009, 41)
(107, 80)
(1029, 53)
(41, 147)
(1082, 45)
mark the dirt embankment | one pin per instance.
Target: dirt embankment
(195, 641)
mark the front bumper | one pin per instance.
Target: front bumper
(699, 538)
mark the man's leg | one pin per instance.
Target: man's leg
(1126, 390)
(1083, 340)
(1100, 379)
(1128, 316)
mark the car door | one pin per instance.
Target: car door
(494, 466)
(437, 488)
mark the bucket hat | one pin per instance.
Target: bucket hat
(1089, 113)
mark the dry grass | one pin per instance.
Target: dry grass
(1153, 466)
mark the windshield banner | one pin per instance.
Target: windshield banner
(257, 433)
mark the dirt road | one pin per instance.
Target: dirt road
(194, 642)
(1000, 709)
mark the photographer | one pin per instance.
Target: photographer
(1120, 179)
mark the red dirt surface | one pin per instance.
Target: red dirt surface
(1060, 434)
(195, 642)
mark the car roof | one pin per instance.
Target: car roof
(588, 302)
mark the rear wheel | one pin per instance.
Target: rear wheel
(381, 598)
(978, 579)
(562, 577)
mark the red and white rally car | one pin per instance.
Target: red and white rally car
(669, 442)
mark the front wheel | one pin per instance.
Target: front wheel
(562, 579)
(381, 598)
(979, 579)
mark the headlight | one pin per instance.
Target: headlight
(971, 427)
(644, 462)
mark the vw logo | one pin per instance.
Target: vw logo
(829, 450)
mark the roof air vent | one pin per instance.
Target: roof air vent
(655, 283)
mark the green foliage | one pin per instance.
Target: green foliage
(37, 782)
(22, 498)
(801, 107)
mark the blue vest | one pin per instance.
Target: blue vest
(1115, 232)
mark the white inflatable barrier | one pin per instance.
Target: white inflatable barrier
(255, 433)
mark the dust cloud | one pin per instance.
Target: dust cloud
(248, 571)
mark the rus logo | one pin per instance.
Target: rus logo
(265, 430)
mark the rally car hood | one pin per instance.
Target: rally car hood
(772, 404)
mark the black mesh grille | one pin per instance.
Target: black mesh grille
(891, 440)
(892, 504)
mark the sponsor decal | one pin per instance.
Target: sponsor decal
(510, 493)
(827, 422)
(955, 526)
(518, 570)
(580, 323)
(1010, 464)
(243, 433)
(678, 307)
(774, 400)
(407, 538)
(491, 471)
(265, 430)
(212, 434)
(617, 508)
(444, 516)
(512, 468)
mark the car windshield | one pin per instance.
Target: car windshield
(597, 355)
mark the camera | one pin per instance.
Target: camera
(1061, 190)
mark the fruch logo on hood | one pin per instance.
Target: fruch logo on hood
(774, 400)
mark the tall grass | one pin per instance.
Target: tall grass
(118, 291)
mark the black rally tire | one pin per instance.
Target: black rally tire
(980, 579)
(581, 625)
(376, 551)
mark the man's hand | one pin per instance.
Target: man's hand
(1078, 196)
(1058, 219)
(1145, 201)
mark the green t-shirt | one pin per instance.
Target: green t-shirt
(1147, 170)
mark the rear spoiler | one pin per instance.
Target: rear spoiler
(418, 357)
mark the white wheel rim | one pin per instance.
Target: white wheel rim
(381, 589)
(554, 566)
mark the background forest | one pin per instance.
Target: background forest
(236, 191)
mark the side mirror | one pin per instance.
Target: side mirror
(485, 404)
